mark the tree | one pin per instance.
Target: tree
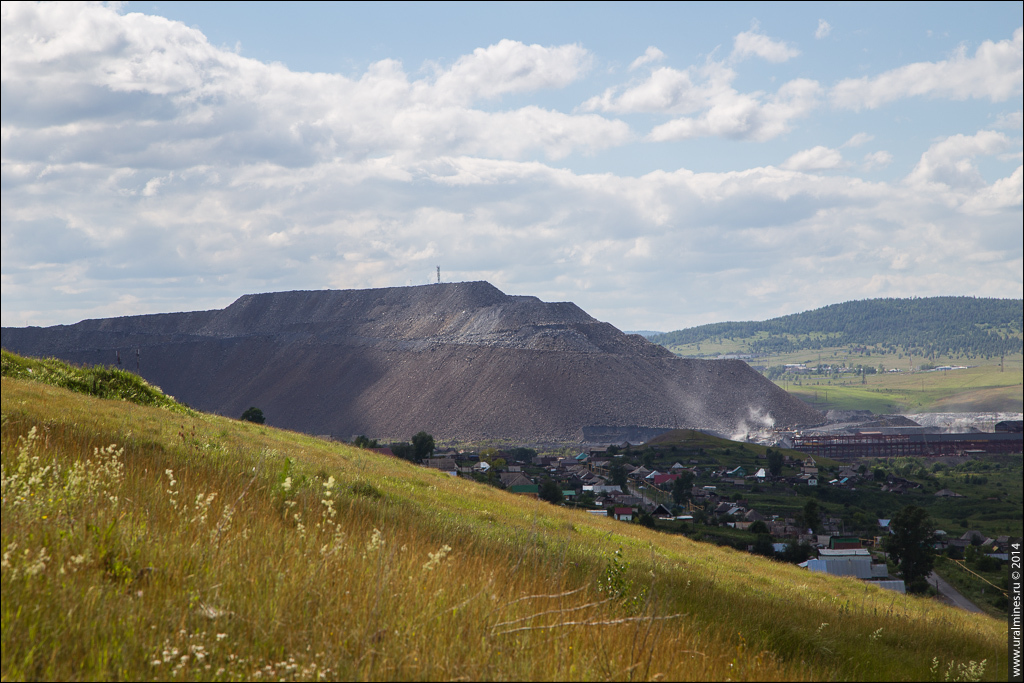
(423, 445)
(681, 487)
(797, 552)
(812, 513)
(618, 474)
(550, 491)
(763, 546)
(254, 414)
(758, 527)
(775, 460)
(362, 441)
(910, 546)
(403, 450)
(645, 519)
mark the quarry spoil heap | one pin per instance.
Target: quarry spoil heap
(461, 361)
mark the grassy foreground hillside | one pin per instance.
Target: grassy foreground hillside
(140, 543)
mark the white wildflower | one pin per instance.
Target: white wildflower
(436, 558)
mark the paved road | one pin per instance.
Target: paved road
(952, 595)
(633, 489)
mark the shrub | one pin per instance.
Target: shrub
(253, 414)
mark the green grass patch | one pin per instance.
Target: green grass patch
(96, 380)
(986, 589)
(977, 389)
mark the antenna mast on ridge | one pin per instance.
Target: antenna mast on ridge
(439, 275)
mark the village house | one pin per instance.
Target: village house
(623, 514)
(443, 464)
(509, 479)
(638, 473)
(853, 562)
(664, 479)
(661, 512)
(631, 501)
(531, 490)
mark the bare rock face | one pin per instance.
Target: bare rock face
(461, 361)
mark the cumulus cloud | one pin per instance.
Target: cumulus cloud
(1011, 121)
(650, 55)
(995, 72)
(510, 67)
(1005, 193)
(144, 170)
(707, 92)
(743, 116)
(858, 140)
(754, 44)
(950, 161)
(169, 92)
(879, 159)
(815, 159)
(824, 28)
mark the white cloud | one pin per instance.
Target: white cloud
(650, 55)
(995, 72)
(144, 170)
(510, 67)
(1010, 121)
(1005, 193)
(879, 159)
(815, 159)
(168, 93)
(707, 92)
(665, 90)
(745, 116)
(950, 162)
(824, 28)
(615, 243)
(751, 43)
(858, 140)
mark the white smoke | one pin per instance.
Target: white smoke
(757, 427)
(962, 422)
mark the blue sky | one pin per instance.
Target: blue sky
(661, 165)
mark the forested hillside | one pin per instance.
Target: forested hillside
(928, 327)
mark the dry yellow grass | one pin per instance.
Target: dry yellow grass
(206, 548)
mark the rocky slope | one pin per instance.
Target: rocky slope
(457, 360)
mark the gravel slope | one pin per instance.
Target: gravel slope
(458, 360)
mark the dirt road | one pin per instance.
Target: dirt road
(952, 596)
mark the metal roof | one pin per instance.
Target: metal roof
(843, 552)
(859, 567)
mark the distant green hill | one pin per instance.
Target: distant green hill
(928, 327)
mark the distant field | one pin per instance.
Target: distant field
(836, 354)
(993, 384)
(983, 388)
